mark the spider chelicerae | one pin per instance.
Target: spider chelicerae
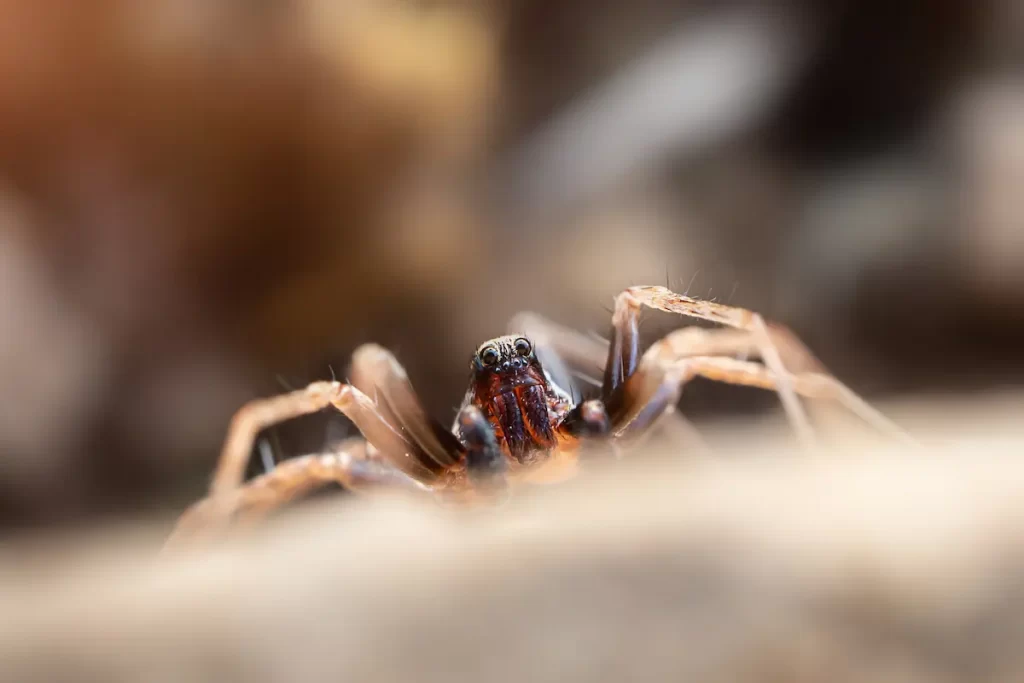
(516, 423)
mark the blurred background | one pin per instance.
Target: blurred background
(203, 201)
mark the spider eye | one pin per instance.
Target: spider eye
(523, 347)
(489, 356)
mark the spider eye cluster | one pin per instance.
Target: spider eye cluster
(516, 354)
(489, 356)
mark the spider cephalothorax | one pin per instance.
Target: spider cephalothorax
(517, 397)
(515, 424)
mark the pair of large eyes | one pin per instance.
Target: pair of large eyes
(490, 355)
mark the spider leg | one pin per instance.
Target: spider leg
(376, 372)
(800, 362)
(624, 356)
(259, 414)
(812, 385)
(588, 419)
(293, 478)
(699, 341)
(589, 354)
(485, 463)
(587, 424)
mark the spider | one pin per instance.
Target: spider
(516, 422)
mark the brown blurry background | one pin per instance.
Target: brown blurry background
(205, 201)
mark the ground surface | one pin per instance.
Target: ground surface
(859, 565)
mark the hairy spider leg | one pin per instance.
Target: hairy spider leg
(259, 414)
(377, 373)
(624, 352)
(295, 477)
(486, 465)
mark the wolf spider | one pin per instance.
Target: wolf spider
(515, 423)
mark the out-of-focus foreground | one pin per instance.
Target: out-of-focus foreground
(857, 565)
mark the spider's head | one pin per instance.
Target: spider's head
(509, 360)
(512, 391)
